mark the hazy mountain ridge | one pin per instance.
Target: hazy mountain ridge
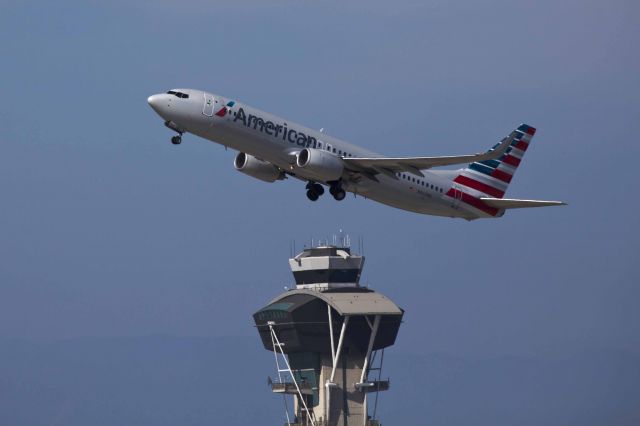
(163, 380)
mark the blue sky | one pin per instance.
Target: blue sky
(109, 230)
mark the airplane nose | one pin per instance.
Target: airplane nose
(159, 104)
(154, 101)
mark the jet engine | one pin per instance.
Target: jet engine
(320, 165)
(250, 165)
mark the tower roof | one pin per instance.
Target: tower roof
(349, 302)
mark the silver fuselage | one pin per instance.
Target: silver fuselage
(246, 129)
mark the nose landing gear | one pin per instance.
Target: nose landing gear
(176, 140)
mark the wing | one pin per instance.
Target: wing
(391, 166)
(506, 203)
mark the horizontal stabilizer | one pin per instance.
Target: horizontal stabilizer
(506, 203)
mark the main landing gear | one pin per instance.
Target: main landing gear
(337, 192)
(176, 140)
(315, 190)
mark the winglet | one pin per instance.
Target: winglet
(499, 150)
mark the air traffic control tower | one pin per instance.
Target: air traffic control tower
(328, 337)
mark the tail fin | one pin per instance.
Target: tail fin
(492, 177)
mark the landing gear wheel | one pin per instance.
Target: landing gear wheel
(318, 189)
(336, 190)
(339, 195)
(314, 191)
(176, 140)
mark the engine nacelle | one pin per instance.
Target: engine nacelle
(250, 165)
(320, 165)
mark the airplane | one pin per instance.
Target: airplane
(271, 148)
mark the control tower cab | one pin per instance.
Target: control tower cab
(327, 267)
(329, 336)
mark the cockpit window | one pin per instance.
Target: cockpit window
(178, 94)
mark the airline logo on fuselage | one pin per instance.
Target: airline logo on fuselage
(272, 129)
(225, 109)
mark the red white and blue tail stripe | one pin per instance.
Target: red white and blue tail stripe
(491, 178)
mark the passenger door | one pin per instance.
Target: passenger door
(457, 196)
(209, 103)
